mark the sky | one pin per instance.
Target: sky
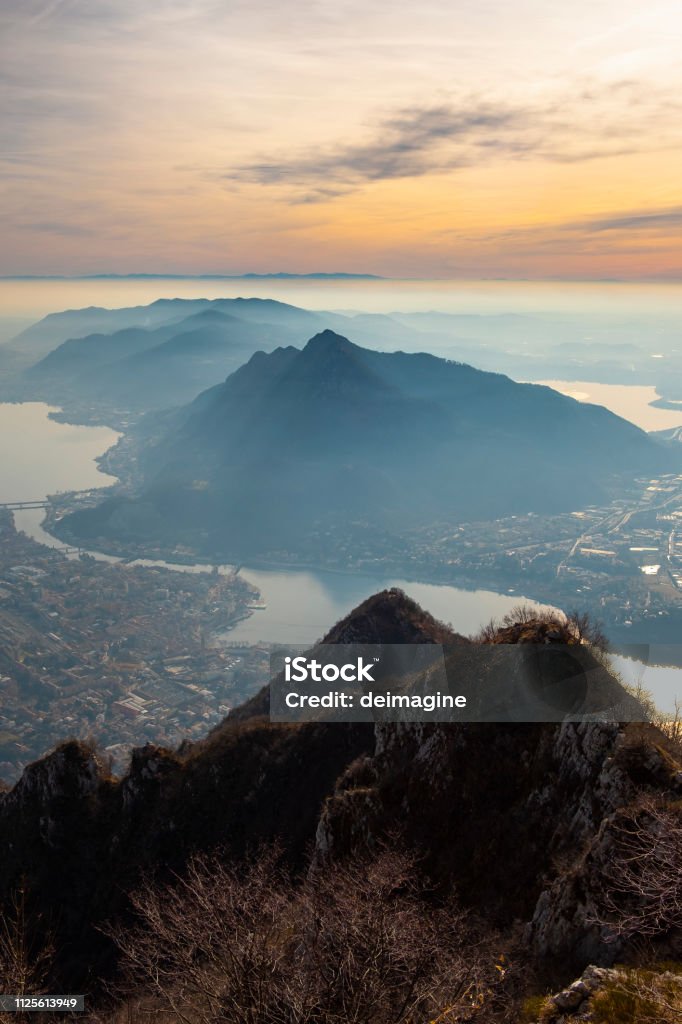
(455, 138)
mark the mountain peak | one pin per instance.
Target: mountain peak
(390, 616)
(328, 340)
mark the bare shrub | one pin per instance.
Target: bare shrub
(671, 727)
(522, 613)
(26, 952)
(487, 633)
(210, 947)
(380, 954)
(579, 626)
(643, 887)
(361, 943)
(587, 630)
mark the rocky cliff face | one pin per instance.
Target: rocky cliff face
(523, 816)
(518, 818)
(80, 841)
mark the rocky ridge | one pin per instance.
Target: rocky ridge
(517, 818)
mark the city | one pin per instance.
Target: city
(121, 654)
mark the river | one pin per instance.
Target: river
(39, 456)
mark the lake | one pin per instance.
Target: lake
(303, 604)
(632, 402)
(40, 456)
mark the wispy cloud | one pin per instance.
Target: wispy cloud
(410, 143)
(651, 221)
(660, 224)
(405, 145)
(416, 141)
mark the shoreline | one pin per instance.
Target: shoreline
(622, 645)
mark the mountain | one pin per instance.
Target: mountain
(522, 820)
(320, 276)
(55, 328)
(277, 275)
(49, 333)
(143, 368)
(536, 346)
(297, 443)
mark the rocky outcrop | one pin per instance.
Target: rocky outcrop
(574, 1000)
(631, 763)
(523, 816)
(80, 841)
(579, 1002)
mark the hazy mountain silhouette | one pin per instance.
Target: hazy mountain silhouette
(525, 346)
(316, 439)
(55, 328)
(143, 368)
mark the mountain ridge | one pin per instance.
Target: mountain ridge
(541, 795)
(335, 433)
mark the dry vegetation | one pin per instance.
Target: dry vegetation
(26, 952)
(366, 941)
(640, 996)
(643, 886)
(527, 624)
(362, 943)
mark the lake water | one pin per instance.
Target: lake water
(632, 402)
(39, 456)
(663, 681)
(303, 604)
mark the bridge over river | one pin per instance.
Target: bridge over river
(16, 506)
(19, 506)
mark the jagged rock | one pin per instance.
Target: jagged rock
(576, 1003)
(72, 770)
(520, 809)
(573, 1004)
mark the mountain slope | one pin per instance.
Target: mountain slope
(299, 443)
(140, 368)
(502, 813)
(56, 328)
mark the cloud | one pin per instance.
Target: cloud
(416, 141)
(646, 220)
(630, 234)
(56, 227)
(410, 143)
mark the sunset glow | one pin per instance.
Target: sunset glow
(475, 139)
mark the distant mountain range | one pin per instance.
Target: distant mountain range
(152, 357)
(524, 346)
(143, 368)
(301, 442)
(156, 356)
(276, 276)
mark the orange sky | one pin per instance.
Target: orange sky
(503, 138)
